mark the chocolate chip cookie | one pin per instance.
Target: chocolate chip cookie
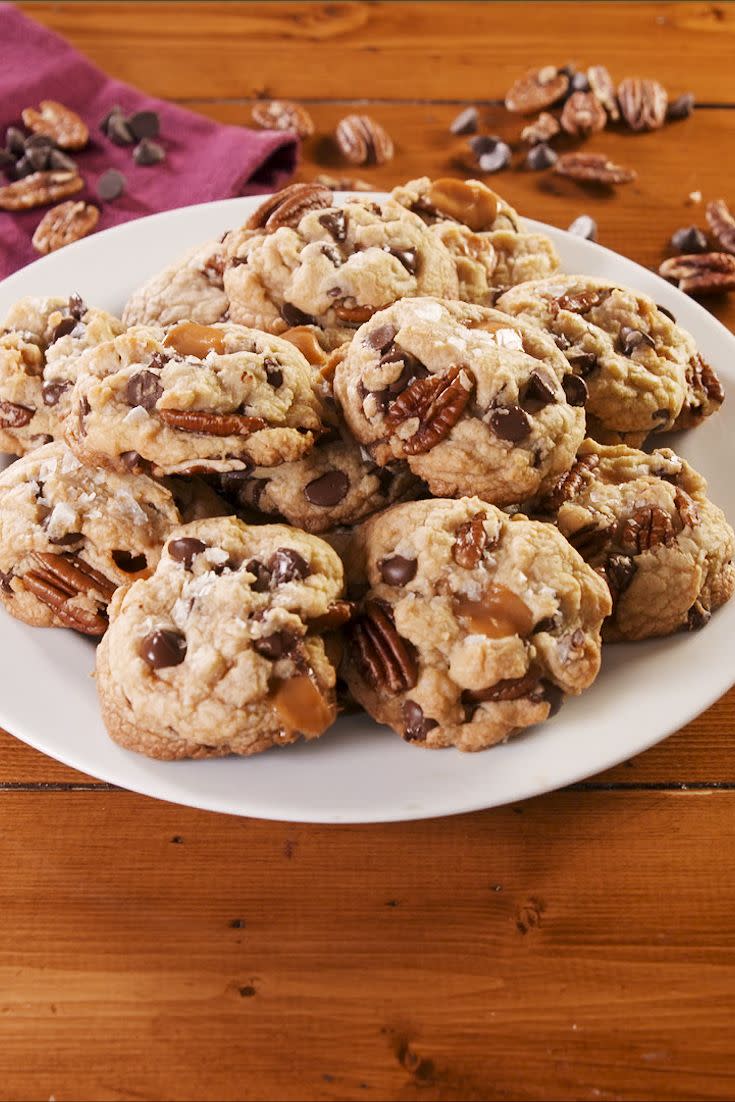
(193, 399)
(475, 624)
(473, 400)
(644, 522)
(223, 650)
(642, 370)
(41, 341)
(190, 289)
(70, 535)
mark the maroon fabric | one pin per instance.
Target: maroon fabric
(204, 160)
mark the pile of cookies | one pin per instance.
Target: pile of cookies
(375, 454)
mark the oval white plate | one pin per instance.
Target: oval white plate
(359, 772)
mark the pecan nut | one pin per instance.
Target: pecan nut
(14, 416)
(510, 688)
(646, 528)
(38, 189)
(701, 273)
(722, 224)
(579, 302)
(57, 122)
(703, 384)
(602, 87)
(74, 574)
(542, 129)
(363, 141)
(589, 540)
(583, 114)
(569, 484)
(466, 201)
(288, 206)
(81, 619)
(384, 658)
(686, 508)
(536, 89)
(437, 401)
(593, 168)
(56, 579)
(470, 542)
(211, 424)
(281, 114)
(70, 221)
(643, 103)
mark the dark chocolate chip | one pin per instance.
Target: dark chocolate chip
(185, 549)
(413, 369)
(689, 239)
(496, 159)
(261, 573)
(561, 342)
(61, 161)
(630, 339)
(329, 489)
(5, 580)
(76, 306)
(117, 129)
(37, 156)
(484, 143)
(15, 141)
(538, 393)
(620, 570)
(163, 648)
(23, 168)
(128, 562)
(143, 389)
(661, 415)
(332, 254)
(381, 338)
(7, 160)
(65, 326)
(540, 157)
(276, 645)
(133, 461)
(335, 223)
(52, 392)
(553, 695)
(697, 617)
(681, 107)
(111, 184)
(578, 82)
(293, 316)
(273, 373)
(584, 226)
(416, 724)
(144, 124)
(575, 389)
(510, 423)
(409, 258)
(466, 122)
(67, 539)
(665, 310)
(148, 152)
(584, 363)
(397, 570)
(287, 565)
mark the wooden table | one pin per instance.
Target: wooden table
(578, 946)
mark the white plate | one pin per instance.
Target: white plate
(358, 772)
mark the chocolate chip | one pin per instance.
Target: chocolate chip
(575, 389)
(273, 373)
(24, 168)
(7, 160)
(578, 82)
(561, 342)
(293, 316)
(412, 369)
(111, 184)
(144, 124)
(15, 141)
(540, 157)
(143, 389)
(416, 724)
(584, 363)
(381, 338)
(584, 226)
(397, 570)
(620, 570)
(133, 461)
(538, 393)
(484, 143)
(67, 539)
(496, 159)
(665, 310)
(76, 306)
(116, 109)
(689, 239)
(52, 392)
(287, 565)
(61, 162)
(163, 648)
(510, 423)
(681, 107)
(65, 326)
(37, 157)
(185, 549)
(553, 695)
(262, 575)
(661, 415)
(466, 122)
(335, 223)
(409, 258)
(276, 645)
(327, 490)
(630, 339)
(697, 617)
(5, 580)
(332, 255)
(117, 129)
(147, 152)
(128, 562)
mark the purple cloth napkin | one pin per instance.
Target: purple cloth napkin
(204, 160)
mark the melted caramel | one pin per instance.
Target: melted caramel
(304, 338)
(497, 614)
(469, 201)
(191, 339)
(301, 706)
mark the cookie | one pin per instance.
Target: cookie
(223, 650)
(475, 624)
(70, 535)
(642, 370)
(644, 522)
(190, 289)
(474, 401)
(333, 266)
(41, 340)
(193, 399)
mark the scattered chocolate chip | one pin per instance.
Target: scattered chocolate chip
(397, 570)
(407, 257)
(575, 389)
(261, 573)
(273, 373)
(681, 107)
(143, 389)
(163, 648)
(665, 310)
(148, 152)
(128, 562)
(287, 565)
(510, 423)
(579, 82)
(496, 159)
(335, 223)
(380, 338)
(540, 156)
(484, 143)
(184, 550)
(144, 124)
(466, 122)
(276, 645)
(37, 157)
(417, 725)
(117, 129)
(24, 168)
(538, 393)
(327, 490)
(584, 226)
(7, 160)
(61, 162)
(293, 316)
(689, 239)
(15, 141)
(630, 339)
(111, 185)
(52, 392)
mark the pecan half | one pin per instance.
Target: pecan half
(57, 122)
(211, 424)
(363, 141)
(438, 402)
(647, 527)
(14, 416)
(288, 206)
(356, 314)
(58, 578)
(703, 384)
(510, 688)
(70, 221)
(89, 623)
(466, 201)
(687, 508)
(643, 103)
(583, 114)
(593, 168)
(385, 659)
(701, 273)
(536, 89)
(39, 189)
(569, 484)
(722, 224)
(602, 87)
(74, 574)
(542, 129)
(579, 302)
(281, 114)
(470, 542)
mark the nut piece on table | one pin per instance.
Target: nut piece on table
(701, 273)
(38, 189)
(363, 141)
(542, 129)
(643, 103)
(281, 114)
(583, 114)
(537, 89)
(61, 225)
(601, 84)
(593, 168)
(722, 224)
(57, 122)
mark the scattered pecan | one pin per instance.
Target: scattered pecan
(288, 206)
(568, 485)
(579, 302)
(510, 688)
(722, 224)
(342, 183)
(470, 542)
(39, 189)
(466, 201)
(593, 168)
(57, 122)
(701, 273)
(538, 88)
(14, 416)
(356, 314)
(687, 508)
(61, 225)
(643, 103)
(385, 659)
(647, 527)
(438, 402)
(281, 114)
(542, 129)
(583, 114)
(211, 424)
(363, 141)
(339, 614)
(601, 84)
